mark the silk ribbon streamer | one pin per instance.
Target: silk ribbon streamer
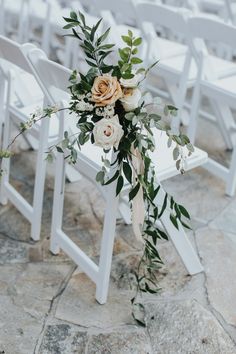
(138, 207)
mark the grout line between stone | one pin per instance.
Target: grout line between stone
(62, 288)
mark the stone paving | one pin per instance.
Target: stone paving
(47, 306)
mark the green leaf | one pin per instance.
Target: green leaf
(59, 149)
(175, 153)
(174, 221)
(102, 37)
(90, 63)
(127, 172)
(76, 34)
(184, 212)
(137, 41)
(73, 15)
(185, 225)
(120, 184)
(136, 60)
(190, 147)
(134, 191)
(70, 25)
(127, 40)
(163, 206)
(124, 56)
(112, 179)
(130, 116)
(138, 313)
(127, 76)
(82, 18)
(100, 176)
(94, 29)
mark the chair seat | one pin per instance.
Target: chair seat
(162, 157)
(223, 87)
(170, 48)
(173, 67)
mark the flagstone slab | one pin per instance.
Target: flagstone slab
(19, 330)
(77, 305)
(200, 192)
(218, 254)
(12, 251)
(63, 339)
(184, 328)
(26, 295)
(226, 221)
(125, 341)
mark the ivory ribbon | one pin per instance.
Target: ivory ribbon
(138, 207)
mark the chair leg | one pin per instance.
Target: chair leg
(39, 181)
(107, 245)
(225, 122)
(196, 101)
(5, 162)
(6, 139)
(180, 240)
(231, 180)
(58, 202)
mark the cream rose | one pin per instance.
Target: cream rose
(108, 132)
(131, 82)
(131, 98)
(106, 90)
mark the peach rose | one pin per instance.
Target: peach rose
(106, 90)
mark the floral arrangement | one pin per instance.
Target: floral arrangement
(112, 114)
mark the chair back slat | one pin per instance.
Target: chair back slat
(52, 77)
(164, 16)
(213, 30)
(11, 52)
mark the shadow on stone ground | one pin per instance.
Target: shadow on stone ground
(47, 306)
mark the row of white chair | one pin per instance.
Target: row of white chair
(180, 62)
(19, 61)
(193, 66)
(179, 65)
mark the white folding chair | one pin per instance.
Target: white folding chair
(220, 92)
(176, 67)
(55, 77)
(20, 96)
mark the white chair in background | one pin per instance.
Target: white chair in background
(20, 95)
(176, 66)
(220, 91)
(14, 70)
(122, 11)
(55, 79)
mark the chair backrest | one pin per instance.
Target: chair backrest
(52, 77)
(206, 32)
(11, 52)
(122, 10)
(12, 58)
(171, 18)
(212, 29)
